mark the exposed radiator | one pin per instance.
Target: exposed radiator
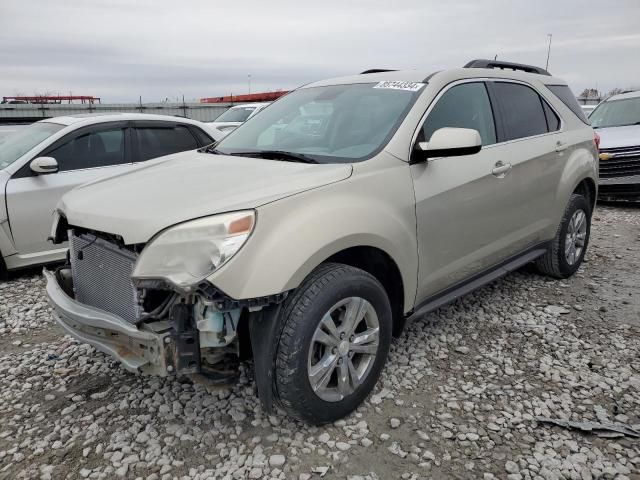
(102, 276)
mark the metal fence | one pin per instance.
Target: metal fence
(30, 112)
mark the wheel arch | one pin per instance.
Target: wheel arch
(587, 188)
(379, 264)
(579, 175)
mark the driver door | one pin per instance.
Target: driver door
(84, 155)
(460, 201)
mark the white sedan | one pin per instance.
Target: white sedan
(42, 161)
(236, 116)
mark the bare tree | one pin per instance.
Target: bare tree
(590, 93)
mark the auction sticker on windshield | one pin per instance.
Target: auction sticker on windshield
(397, 85)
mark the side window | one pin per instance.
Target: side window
(463, 106)
(203, 138)
(553, 122)
(521, 109)
(156, 142)
(95, 149)
(564, 93)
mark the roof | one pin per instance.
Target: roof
(422, 76)
(92, 118)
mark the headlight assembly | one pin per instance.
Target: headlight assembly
(189, 252)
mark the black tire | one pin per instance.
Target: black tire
(554, 263)
(323, 288)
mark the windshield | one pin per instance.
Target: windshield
(616, 113)
(24, 140)
(235, 114)
(332, 124)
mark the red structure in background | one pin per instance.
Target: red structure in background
(57, 99)
(250, 97)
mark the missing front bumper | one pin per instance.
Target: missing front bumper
(143, 350)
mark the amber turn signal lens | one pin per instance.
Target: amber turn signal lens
(241, 225)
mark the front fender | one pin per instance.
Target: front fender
(6, 241)
(294, 235)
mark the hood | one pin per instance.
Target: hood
(615, 137)
(188, 185)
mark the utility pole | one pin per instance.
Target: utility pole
(249, 80)
(548, 50)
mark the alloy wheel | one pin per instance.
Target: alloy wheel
(343, 349)
(575, 238)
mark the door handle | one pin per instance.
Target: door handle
(560, 146)
(501, 169)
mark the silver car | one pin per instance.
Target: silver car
(617, 121)
(41, 162)
(309, 248)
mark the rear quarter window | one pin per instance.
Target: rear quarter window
(553, 122)
(566, 96)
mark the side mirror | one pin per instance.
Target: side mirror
(43, 165)
(448, 142)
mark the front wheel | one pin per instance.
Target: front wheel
(569, 246)
(335, 340)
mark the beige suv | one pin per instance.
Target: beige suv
(307, 237)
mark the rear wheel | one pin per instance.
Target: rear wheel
(336, 336)
(569, 246)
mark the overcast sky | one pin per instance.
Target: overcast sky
(120, 49)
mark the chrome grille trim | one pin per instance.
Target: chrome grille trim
(624, 162)
(101, 273)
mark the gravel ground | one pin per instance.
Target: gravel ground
(458, 398)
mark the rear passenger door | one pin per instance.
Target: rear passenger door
(529, 133)
(157, 139)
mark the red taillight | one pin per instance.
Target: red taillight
(596, 140)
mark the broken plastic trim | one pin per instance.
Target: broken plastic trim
(605, 430)
(213, 294)
(224, 302)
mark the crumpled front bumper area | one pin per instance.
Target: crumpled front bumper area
(139, 350)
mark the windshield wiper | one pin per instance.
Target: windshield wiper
(277, 155)
(211, 149)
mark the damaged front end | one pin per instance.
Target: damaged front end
(150, 326)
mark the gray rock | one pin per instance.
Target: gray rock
(277, 460)
(511, 467)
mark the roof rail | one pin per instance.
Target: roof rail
(506, 65)
(377, 70)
